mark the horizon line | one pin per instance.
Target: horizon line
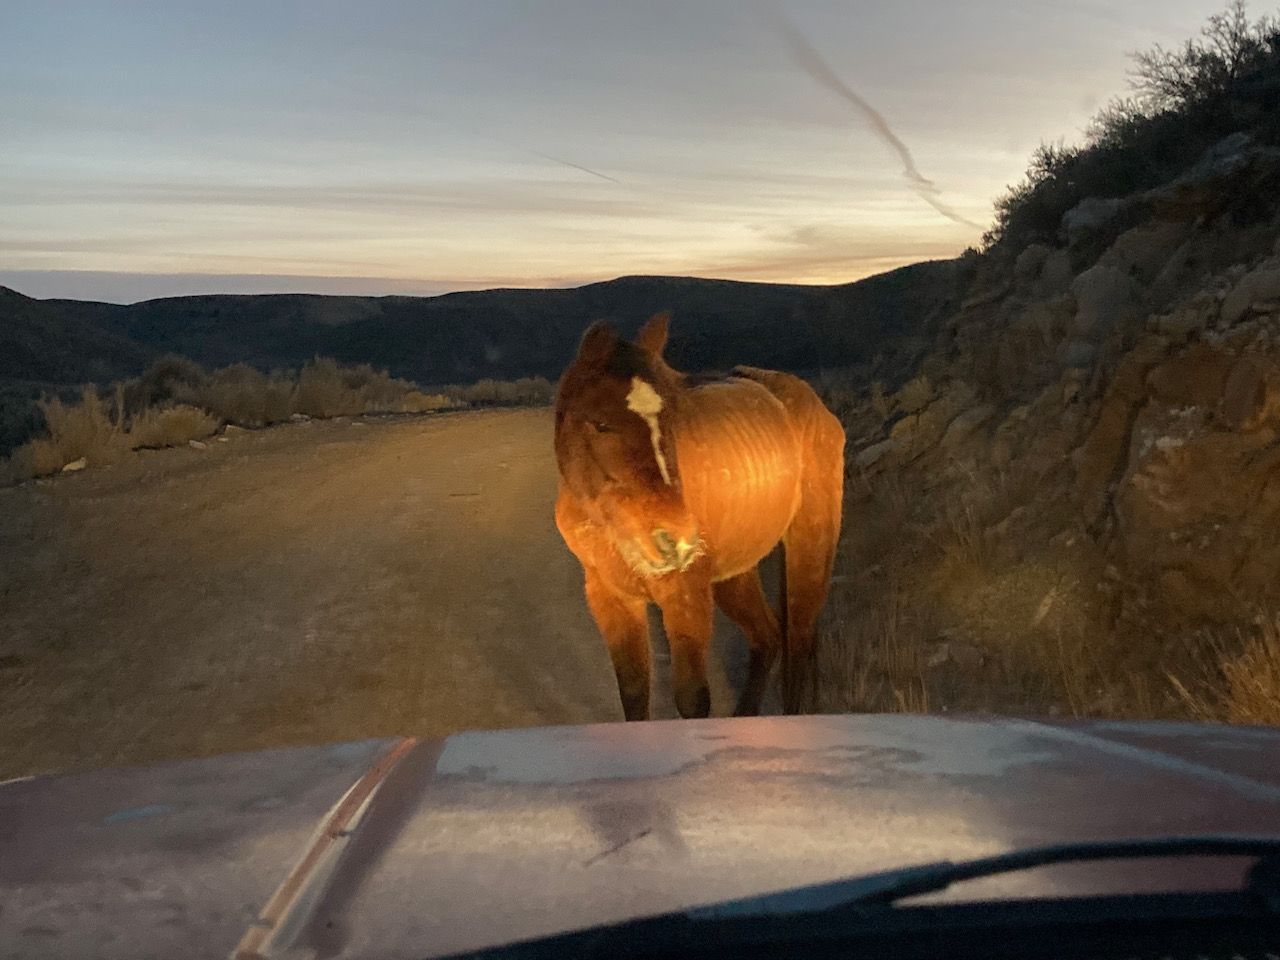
(374, 287)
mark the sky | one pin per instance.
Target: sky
(156, 149)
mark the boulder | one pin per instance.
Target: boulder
(1250, 395)
(1198, 514)
(914, 396)
(1105, 297)
(965, 425)
(1256, 289)
(1186, 319)
(1143, 251)
(868, 457)
(1089, 215)
(1078, 354)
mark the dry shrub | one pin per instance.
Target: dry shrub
(327, 389)
(323, 392)
(86, 429)
(415, 401)
(162, 382)
(1236, 682)
(242, 395)
(523, 392)
(33, 459)
(962, 537)
(170, 426)
(1253, 679)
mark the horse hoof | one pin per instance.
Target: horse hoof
(694, 704)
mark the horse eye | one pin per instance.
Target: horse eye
(601, 426)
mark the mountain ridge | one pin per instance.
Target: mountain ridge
(501, 332)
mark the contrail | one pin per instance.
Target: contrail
(811, 62)
(576, 166)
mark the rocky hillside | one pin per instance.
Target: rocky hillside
(1075, 504)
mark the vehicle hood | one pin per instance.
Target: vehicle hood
(407, 848)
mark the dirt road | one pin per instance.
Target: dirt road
(314, 582)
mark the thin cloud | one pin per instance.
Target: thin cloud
(811, 62)
(576, 166)
(481, 196)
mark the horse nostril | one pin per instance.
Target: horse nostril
(666, 545)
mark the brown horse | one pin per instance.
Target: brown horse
(672, 491)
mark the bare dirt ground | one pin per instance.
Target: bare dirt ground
(315, 582)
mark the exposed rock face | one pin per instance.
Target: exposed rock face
(1120, 395)
(1198, 504)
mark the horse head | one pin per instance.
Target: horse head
(615, 416)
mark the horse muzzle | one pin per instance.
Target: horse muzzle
(664, 553)
(676, 554)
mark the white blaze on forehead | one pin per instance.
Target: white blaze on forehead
(644, 401)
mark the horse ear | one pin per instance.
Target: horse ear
(598, 342)
(653, 335)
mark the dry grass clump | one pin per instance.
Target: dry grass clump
(1252, 677)
(175, 401)
(242, 395)
(170, 426)
(1239, 678)
(86, 429)
(872, 657)
(522, 392)
(326, 389)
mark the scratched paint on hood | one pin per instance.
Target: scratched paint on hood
(138, 813)
(922, 746)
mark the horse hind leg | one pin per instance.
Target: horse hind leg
(624, 625)
(809, 552)
(743, 601)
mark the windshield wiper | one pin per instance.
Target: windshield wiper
(865, 911)
(894, 885)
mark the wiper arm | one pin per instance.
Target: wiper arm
(894, 885)
(867, 906)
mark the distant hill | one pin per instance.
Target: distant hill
(44, 341)
(469, 335)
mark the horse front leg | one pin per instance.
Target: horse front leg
(743, 601)
(688, 618)
(625, 628)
